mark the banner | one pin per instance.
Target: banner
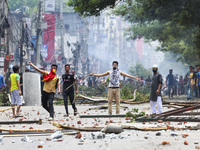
(49, 36)
(50, 5)
(44, 51)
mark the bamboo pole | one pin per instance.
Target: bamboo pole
(77, 82)
(92, 129)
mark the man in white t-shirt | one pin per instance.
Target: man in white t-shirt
(114, 88)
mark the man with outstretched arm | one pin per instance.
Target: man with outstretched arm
(50, 80)
(114, 88)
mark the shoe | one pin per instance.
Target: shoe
(50, 119)
(19, 116)
(75, 112)
(66, 115)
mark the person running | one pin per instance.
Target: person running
(114, 90)
(15, 91)
(170, 83)
(155, 96)
(68, 79)
(50, 80)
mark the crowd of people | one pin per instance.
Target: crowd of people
(189, 85)
(173, 85)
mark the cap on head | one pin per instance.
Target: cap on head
(155, 66)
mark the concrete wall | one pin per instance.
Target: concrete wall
(32, 89)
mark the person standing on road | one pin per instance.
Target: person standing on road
(15, 91)
(155, 96)
(50, 80)
(195, 77)
(198, 82)
(114, 86)
(192, 83)
(68, 79)
(170, 83)
(2, 82)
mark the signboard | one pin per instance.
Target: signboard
(59, 58)
(2, 44)
(11, 56)
(50, 5)
(49, 35)
(1, 62)
(7, 57)
(44, 51)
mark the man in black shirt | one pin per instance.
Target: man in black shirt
(68, 79)
(155, 96)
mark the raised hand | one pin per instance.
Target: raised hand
(29, 63)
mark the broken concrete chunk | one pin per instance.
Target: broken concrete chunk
(197, 147)
(185, 135)
(1, 139)
(40, 146)
(113, 136)
(158, 134)
(80, 143)
(78, 136)
(113, 128)
(174, 134)
(25, 139)
(57, 135)
(165, 143)
(98, 135)
(186, 143)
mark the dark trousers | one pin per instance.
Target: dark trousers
(69, 94)
(170, 90)
(199, 90)
(47, 102)
(196, 91)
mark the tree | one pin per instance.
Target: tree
(170, 22)
(174, 23)
(19, 4)
(91, 7)
(139, 71)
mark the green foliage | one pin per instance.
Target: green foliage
(126, 93)
(4, 101)
(139, 71)
(61, 102)
(91, 91)
(174, 23)
(134, 114)
(33, 6)
(142, 96)
(90, 7)
(18, 4)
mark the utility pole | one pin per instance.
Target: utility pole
(39, 34)
(1, 21)
(21, 45)
(62, 28)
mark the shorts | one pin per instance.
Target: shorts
(15, 98)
